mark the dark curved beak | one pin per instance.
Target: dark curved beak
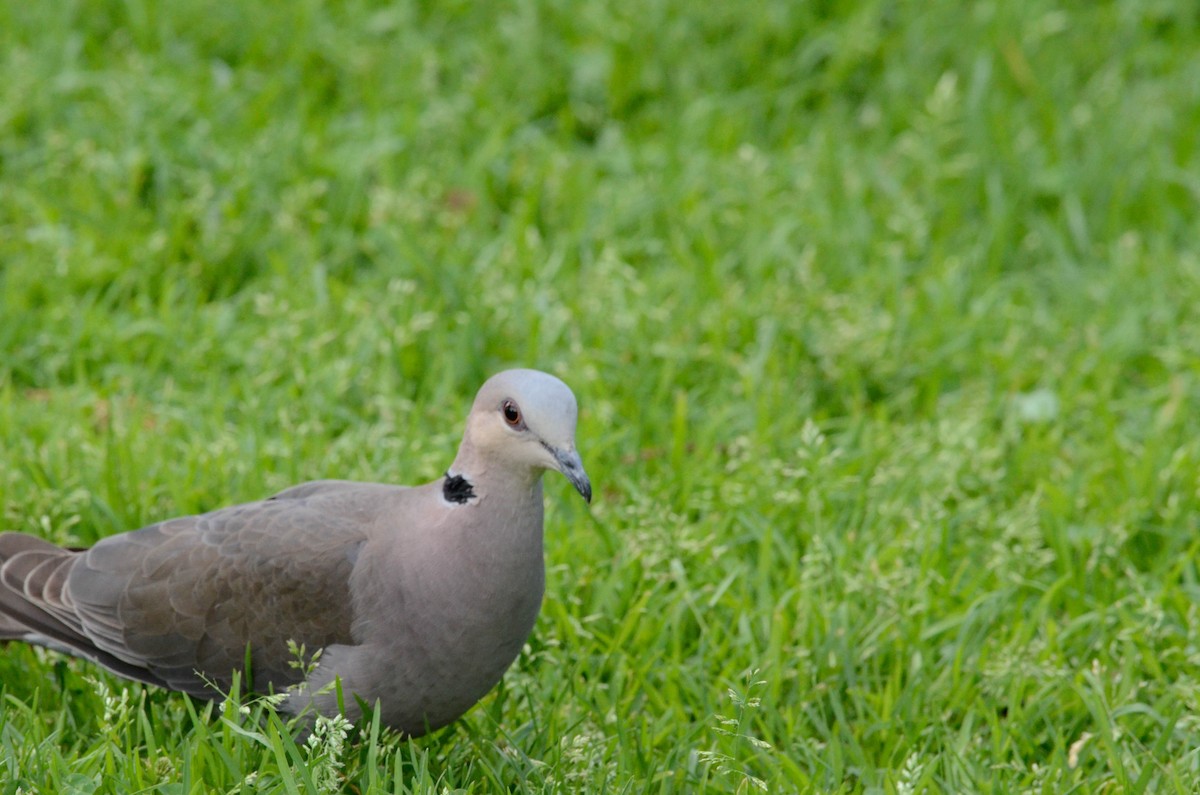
(571, 465)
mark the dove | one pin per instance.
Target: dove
(419, 598)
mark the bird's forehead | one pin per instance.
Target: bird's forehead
(541, 396)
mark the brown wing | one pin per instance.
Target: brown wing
(191, 594)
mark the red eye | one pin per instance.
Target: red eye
(512, 414)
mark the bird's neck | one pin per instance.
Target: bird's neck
(473, 476)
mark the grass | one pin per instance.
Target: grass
(883, 318)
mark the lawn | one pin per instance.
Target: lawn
(884, 318)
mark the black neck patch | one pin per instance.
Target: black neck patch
(457, 489)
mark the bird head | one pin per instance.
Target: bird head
(526, 418)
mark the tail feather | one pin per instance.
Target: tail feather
(35, 607)
(27, 563)
(11, 629)
(15, 609)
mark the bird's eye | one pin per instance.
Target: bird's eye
(512, 414)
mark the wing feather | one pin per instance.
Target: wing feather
(186, 597)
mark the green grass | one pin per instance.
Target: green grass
(883, 317)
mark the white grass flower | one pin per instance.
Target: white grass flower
(910, 774)
(324, 747)
(733, 727)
